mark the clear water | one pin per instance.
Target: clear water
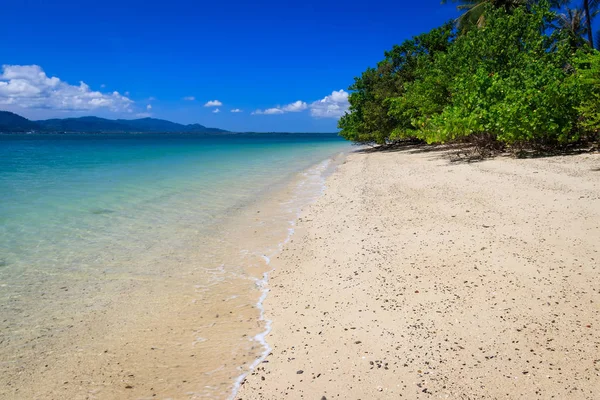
(60, 189)
(86, 212)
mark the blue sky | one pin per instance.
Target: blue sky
(259, 55)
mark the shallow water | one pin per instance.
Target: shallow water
(131, 265)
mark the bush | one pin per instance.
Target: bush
(511, 81)
(587, 80)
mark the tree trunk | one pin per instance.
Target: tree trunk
(588, 21)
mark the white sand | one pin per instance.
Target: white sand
(415, 277)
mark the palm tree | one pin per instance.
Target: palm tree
(572, 22)
(474, 10)
(590, 7)
(473, 14)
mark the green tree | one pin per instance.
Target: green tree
(587, 80)
(369, 119)
(506, 81)
(590, 8)
(525, 77)
(474, 11)
(572, 24)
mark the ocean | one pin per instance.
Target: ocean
(135, 265)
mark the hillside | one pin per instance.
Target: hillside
(11, 122)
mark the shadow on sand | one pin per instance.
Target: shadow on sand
(455, 152)
(467, 153)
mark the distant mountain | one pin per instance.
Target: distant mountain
(83, 124)
(153, 125)
(10, 122)
(161, 125)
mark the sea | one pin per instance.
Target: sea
(135, 265)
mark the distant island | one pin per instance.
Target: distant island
(11, 122)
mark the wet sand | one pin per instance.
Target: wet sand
(416, 277)
(188, 326)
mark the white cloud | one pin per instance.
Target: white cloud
(272, 111)
(236, 110)
(332, 106)
(213, 103)
(216, 111)
(189, 98)
(295, 106)
(143, 115)
(151, 98)
(292, 107)
(149, 107)
(103, 86)
(28, 86)
(269, 111)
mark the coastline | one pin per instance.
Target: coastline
(188, 329)
(416, 277)
(303, 197)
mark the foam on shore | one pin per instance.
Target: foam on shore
(307, 189)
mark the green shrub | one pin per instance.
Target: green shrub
(512, 81)
(587, 80)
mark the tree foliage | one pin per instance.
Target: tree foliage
(519, 79)
(474, 11)
(588, 80)
(370, 120)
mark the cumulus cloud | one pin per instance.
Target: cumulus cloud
(236, 110)
(216, 111)
(332, 106)
(295, 106)
(213, 103)
(292, 107)
(189, 98)
(149, 107)
(272, 111)
(28, 86)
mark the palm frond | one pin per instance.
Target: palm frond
(473, 10)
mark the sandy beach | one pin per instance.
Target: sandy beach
(189, 327)
(414, 276)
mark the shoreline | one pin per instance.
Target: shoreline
(186, 331)
(329, 165)
(413, 276)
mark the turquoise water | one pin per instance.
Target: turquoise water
(95, 225)
(56, 188)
